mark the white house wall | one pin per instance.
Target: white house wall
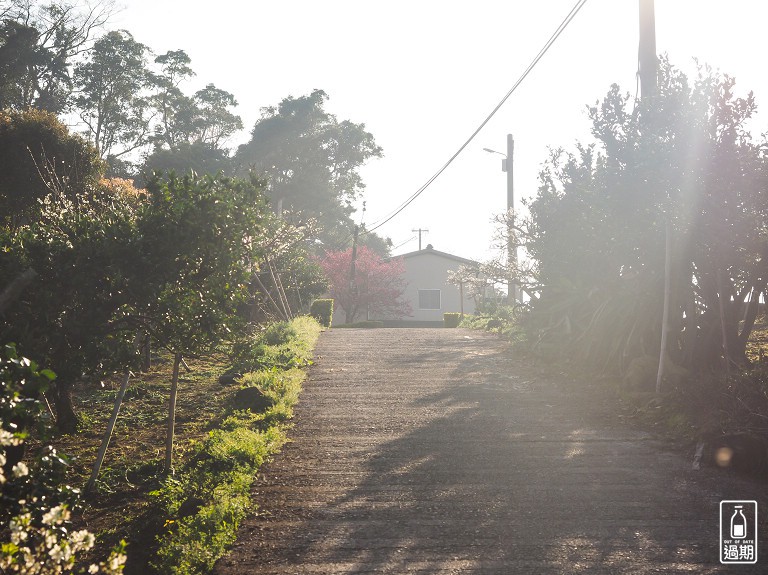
(426, 271)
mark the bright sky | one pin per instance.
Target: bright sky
(423, 74)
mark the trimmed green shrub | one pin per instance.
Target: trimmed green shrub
(322, 311)
(451, 319)
(279, 333)
(37, 147)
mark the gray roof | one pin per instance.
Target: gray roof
(434, 252)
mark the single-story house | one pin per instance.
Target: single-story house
(429, 291)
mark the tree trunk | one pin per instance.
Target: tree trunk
(66, 418)
(753, 308)
(723, 323)
(16, 288)
(146, 354)
(690, 337)
(168, 467)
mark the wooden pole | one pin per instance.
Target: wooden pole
(269, 296)
(168, 467)
(509, 166)
(280, 294)
(111, 424)
(350, 315)
(420, 230)
(283, 294)
(648, 69)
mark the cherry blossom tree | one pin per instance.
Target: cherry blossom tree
(377, 289)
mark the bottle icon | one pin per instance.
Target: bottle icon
(738, 523)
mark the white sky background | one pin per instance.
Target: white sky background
(423, 74)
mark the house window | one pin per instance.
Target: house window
(429, 299)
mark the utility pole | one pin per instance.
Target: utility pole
(648, 69)
(420, 230)
(352, 286)
(648, 63)
(509, 165)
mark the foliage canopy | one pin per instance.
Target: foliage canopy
(681, 161)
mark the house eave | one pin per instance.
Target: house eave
(434, 252)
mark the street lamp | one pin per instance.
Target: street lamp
(507, 165)
(503, 162)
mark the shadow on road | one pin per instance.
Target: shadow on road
(486, 467)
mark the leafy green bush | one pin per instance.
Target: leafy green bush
(279, 333)
(193, 543)
(239, 447)
(206, 501)
(506, 322)
(451, 319)
(37, 148)
(291, 346)
(322, 311)
(482, 321)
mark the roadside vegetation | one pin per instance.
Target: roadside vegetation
(225, 429)
(205, 501)
(106, 281)
(666, 204)
(157, 279)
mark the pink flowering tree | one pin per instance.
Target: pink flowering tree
(377, 289)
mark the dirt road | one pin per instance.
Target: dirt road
(432, 451)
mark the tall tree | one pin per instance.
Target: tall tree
(191, 131)
(196, 157)
(82, 248)
(198, 248)
(111, 99)
(311, 159)
(214, 122)
(38, 43)
(174, 108)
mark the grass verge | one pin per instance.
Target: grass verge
(206, 501)
(183, 523)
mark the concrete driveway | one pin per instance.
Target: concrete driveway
(435, 451)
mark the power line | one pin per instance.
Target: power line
(563, 25)
(403, 243)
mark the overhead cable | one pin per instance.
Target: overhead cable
(563, 25)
